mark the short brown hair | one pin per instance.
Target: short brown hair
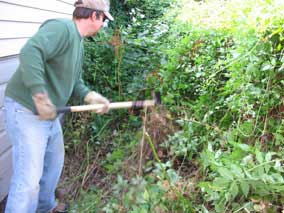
(83, 12)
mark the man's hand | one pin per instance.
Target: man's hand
(95, 98)
(44, 106)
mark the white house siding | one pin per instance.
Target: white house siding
(19, 20)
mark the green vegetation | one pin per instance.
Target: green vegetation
(217, 144)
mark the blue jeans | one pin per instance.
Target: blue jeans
(38, 156)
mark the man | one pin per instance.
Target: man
(50, 71)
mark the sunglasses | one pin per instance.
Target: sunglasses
(105, 18)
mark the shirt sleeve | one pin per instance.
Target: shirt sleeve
(50, 41)
(80, 89)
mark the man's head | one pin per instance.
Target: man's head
(93, 12)
(85, 8)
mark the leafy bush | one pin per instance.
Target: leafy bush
(220, 71)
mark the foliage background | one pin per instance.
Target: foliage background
(217, 145)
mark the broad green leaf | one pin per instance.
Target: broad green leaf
(221, 182)
(220, 206)
(278, 178)
(267, 178)
(259, 156)
(245, 188)
(278, 137)
(278, 167)
(146, 195)
(246, 128)
(259, 171)
(268, 156)
(267, 168)
(234, 190)
(173, 175)
(224, 172)
(247, 159)
(237, 171)
(252, 68)
(267, 67)
(244, 147)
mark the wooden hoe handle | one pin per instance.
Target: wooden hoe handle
(115, 105)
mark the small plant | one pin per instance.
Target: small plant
(241, 176)
(183, 143)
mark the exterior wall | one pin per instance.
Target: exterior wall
(19, 20)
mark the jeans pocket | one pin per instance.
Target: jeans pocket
(21, 109)
(22, 114)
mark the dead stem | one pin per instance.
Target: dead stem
(142, 142)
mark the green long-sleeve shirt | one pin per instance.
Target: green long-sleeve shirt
(50, 61)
